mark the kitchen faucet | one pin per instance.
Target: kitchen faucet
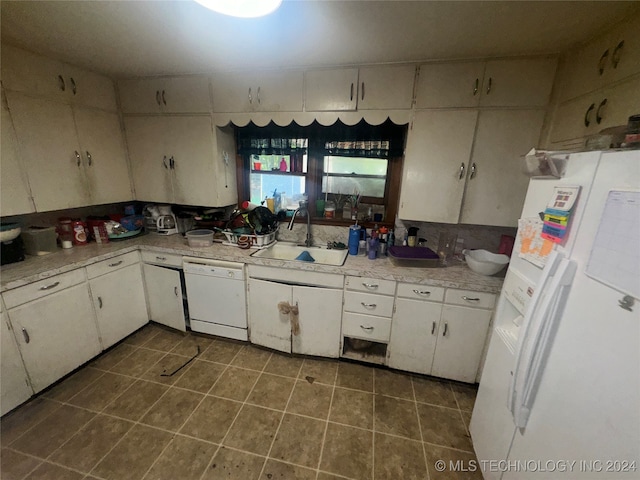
(303, 209)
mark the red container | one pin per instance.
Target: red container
(80, 236)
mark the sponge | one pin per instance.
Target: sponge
(305, 257)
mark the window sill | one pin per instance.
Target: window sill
(340, 222)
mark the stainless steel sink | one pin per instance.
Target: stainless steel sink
(290, 251)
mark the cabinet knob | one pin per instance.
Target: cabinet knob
(603, 61)
(598, 116)
(587, 114)
(615, 57)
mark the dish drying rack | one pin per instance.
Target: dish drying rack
(257, 241)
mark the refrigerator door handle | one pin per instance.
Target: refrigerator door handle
(544, 325)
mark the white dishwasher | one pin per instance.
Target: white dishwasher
(216, 296)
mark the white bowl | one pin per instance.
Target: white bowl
(10, 233)
(484, 262)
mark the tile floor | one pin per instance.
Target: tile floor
(235, 412)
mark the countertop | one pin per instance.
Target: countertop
(33, 269)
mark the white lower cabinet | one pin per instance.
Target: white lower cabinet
(119, 300)
(56, 333)
(14, 383)
(163, 287)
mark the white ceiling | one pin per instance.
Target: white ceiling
(127, 38)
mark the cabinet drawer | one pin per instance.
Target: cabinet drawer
(420, 292)
(367, 327)
(112, 264)
(161, 258)
(470, 298)
(33, 291)
(371, 285)
(368, 304)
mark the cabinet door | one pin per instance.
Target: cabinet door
(496, 186)
(414, 330)
(164, 296)
(386, 88)
(140, 95)
(617, 104)
(575, 118)
(104, 156)
(435, 163)
(320, 317)
(23, 71)
(267, 326)
(518, 83)
(90, 89)
(120, 305)
(331, 89)
(461, 339)
(60, 334)
(47, 135)
(14, 383)
(185, 95)
(449, 85)
(15, 196)
(234, 92)
(149, 158)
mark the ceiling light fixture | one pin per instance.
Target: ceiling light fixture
(242, 8)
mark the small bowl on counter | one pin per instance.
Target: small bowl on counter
(485, 262)
(200, 238)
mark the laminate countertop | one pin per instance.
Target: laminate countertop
(458, 275)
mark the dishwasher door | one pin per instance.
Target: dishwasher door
(216, 296)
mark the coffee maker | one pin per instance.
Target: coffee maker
(11, 244)
(166, 223)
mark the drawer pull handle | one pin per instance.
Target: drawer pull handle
(489, 86)
(461, 175)
(100, 302)
(73, 85)
(368, 305)
(78, 158)
(61, 83)
(49, 287)
(89, 159)
(469, 299)
(164, 101)
(421, 292)
(446, 329)
(175, 290)
(368, 329)
(161, 258)
(25, 334)
(433, 328)
(475, 87)
(598, 116)
(371, 286)
(603, 61)
(615, 58)
(115, 264)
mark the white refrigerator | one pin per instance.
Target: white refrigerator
(559, 396)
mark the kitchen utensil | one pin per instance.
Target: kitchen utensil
(484, 262)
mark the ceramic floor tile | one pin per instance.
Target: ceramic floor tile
(188, 347)
(312, 399)
(143, 335)
(281, 364)
(319, 371)
(221, 351)
(465, 395)
(165, 340)
(16, 423)
(398, 458)
(91, 443)
(212, 419)
(443, 426)
(452, 457)
(329, 476)
(69, 387)
(184, 458)
(163, 369)
(138, 362)
(357, 377)
(15, 466)
(200, 376)
(396, 416)
(393, 384)
(251, 357)
(172, 409)
(133, 456)
(53, 431)
(278, 470)
(352, 408)
(229, 464)
(235, 383)
(348, 451)
(253, 430)
(101, 392)
(299, 441)
(466, 417)
(271, 391)
(48, 471)
(435, 392)
(111, 358)
(136, 400)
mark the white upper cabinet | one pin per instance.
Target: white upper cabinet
(258, 92)
(603, 61)
(27, 72)
(435, 165)
(15, 195)
(188, 94)
(386, 87)
(331, 89)
(449, 85)
(496, 83)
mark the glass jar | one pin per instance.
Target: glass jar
(329, 209)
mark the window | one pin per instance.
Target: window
(333, 163)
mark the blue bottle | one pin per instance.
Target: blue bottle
(354, 239)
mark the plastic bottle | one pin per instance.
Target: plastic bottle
(391, 240)
(283, 165)
(354, 239)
